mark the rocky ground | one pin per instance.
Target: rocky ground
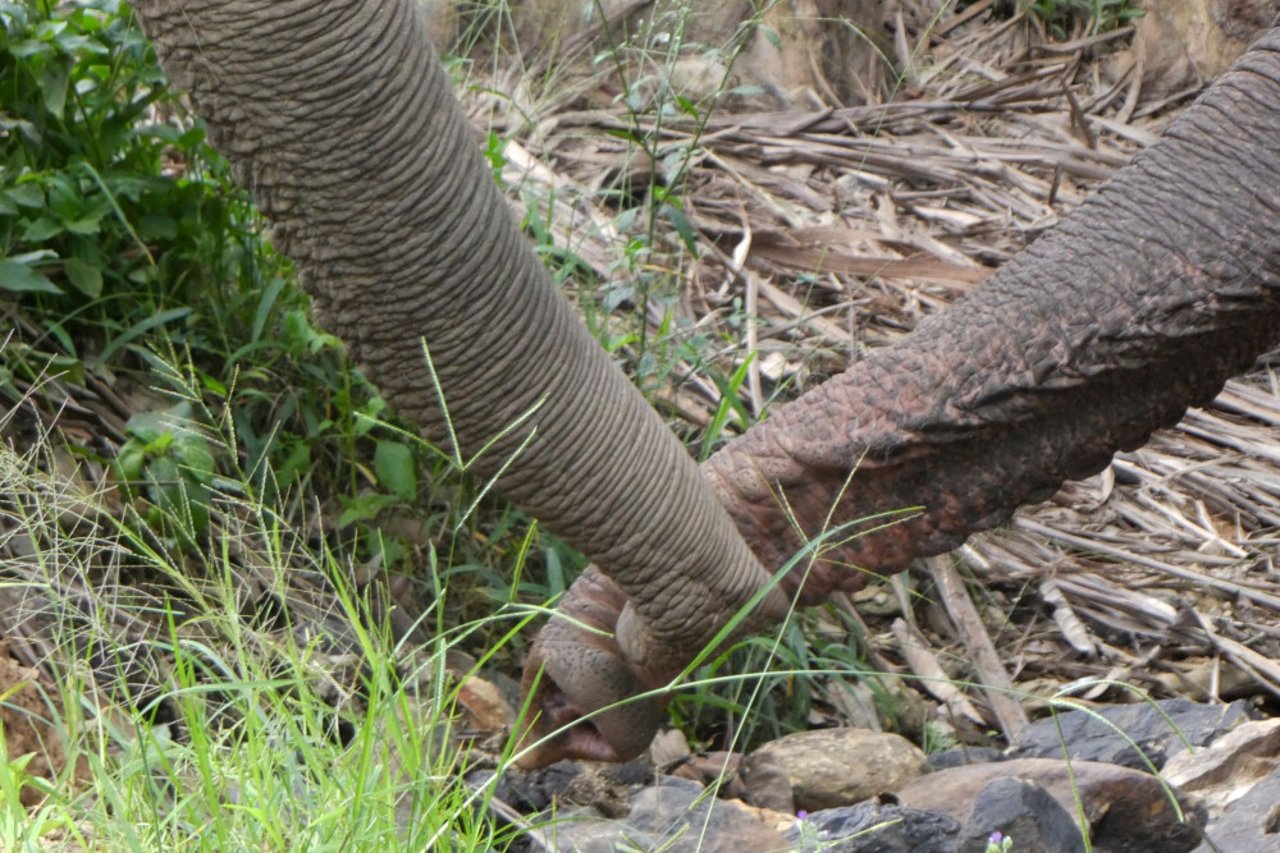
(1169, 775)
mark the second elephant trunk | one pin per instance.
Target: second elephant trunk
(1144, 301)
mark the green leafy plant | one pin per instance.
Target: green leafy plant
(122, 236)
(1099, 16)
(99, 193)
(172, 464)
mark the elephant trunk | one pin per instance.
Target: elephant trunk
(338, 118)
(1144, 301)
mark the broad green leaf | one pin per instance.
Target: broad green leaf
(42, 229)
(194, 452)
(26, 195)
(72, 43)
(269, 294)
(298, 460)
(54, 82)
(84, 225)
(364, 507)
(683, 227)
(86, 277)
(29, 47)
(19, 278)
(393, 462)
(29, 258)
(157, 226)
(367, 417)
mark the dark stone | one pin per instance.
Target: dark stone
(1023, 811)
(553, 781)
(683, 817)
(767, 786)
(634, 773)
(580, 831)
(518, 790)
(871, 828)
(1251, 824)
(1159, 729)
(961, 755)
(604, 787)
(1124, 809)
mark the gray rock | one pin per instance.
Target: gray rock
(829, 768)
(1023, 811)
(1249, 825)
(515, 789)
(607, 788)
(766, 785)
(1228, 768)
(675, 815)
(873, 828)
(1158, 728)
(1125, 810)
(960, 756)
(684, 817)
(582, 831)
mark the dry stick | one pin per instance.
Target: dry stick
(1264, 670)
(962, 17)
(1246, 400)
(1114, 610)
(811, 319)
(997, 685)
(931, 676)
(1253, 595)
(1124, 130)
(1135, 89)
(844, 602)
(1078, 118)
(752, 307)
(1069, 624)
(1105, 592)
(1072, 47)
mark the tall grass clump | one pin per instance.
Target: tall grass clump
(250, 696)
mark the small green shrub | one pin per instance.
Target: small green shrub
(1099, 16)
(131, 254)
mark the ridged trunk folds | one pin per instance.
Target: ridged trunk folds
(338, 118)
(1143, 302)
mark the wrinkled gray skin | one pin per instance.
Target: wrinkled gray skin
(339, 119)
